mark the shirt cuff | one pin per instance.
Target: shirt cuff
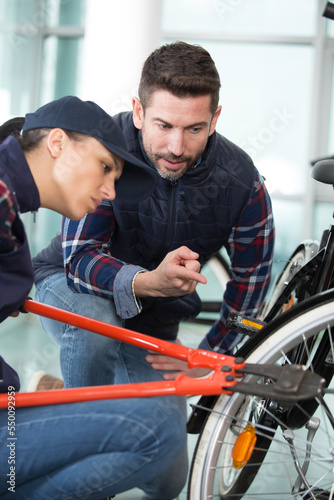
(126, 303)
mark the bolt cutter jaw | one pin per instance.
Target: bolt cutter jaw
(287, 383)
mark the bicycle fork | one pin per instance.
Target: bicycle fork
(312, 427)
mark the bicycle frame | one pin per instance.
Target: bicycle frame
(222, 377)
(326, 269)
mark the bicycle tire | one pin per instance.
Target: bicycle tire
(303, 254)
(213, 448)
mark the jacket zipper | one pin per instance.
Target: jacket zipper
(171, 215)
(170, 223)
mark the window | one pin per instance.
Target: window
(40, 57)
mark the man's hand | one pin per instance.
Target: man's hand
(174, 366)
(177, 275)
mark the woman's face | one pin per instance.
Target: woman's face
(85, 174)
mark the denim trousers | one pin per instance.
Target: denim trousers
(88, 450)
(87, 358)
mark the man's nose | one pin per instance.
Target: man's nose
(176, 143)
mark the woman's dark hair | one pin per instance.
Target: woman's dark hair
(11, 127)
(29, 140)
(182, 69)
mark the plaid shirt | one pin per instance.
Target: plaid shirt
(90, 267)
(250, 248)
(8, 240)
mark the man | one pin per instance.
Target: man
(123, 261)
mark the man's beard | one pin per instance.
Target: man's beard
(171, 175)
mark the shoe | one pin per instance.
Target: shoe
(42, 381)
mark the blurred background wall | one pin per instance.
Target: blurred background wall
(275, 59)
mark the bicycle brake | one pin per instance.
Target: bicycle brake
(243, 324)
(288, 383)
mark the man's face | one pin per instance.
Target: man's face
(175, 130)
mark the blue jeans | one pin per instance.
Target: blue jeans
(88, 450)
(87, 358)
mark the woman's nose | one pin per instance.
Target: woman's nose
(109, 191)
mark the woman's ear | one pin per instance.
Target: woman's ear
(138, 113)
(56, 141)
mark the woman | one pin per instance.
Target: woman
(68, 156)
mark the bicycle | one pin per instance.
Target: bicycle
(213, 475)
(229, 375)
(308, 273)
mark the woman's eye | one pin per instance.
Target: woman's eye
(106, 168)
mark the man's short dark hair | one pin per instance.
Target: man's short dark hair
(182, 69)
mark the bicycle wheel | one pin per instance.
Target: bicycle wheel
(303, 254)
(212, 473)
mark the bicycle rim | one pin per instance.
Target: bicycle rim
(212, 474)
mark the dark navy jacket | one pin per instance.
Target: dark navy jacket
(16, 271)
(199, 210)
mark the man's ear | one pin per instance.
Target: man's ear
(214, 120)
(56, 141)
(138, 113)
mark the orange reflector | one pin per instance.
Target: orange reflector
(288, 305)
(244, 446)
(253, 324)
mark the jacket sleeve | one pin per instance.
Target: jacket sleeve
(250, 248)
(16, 273)
(90, 267)
(9, 244)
